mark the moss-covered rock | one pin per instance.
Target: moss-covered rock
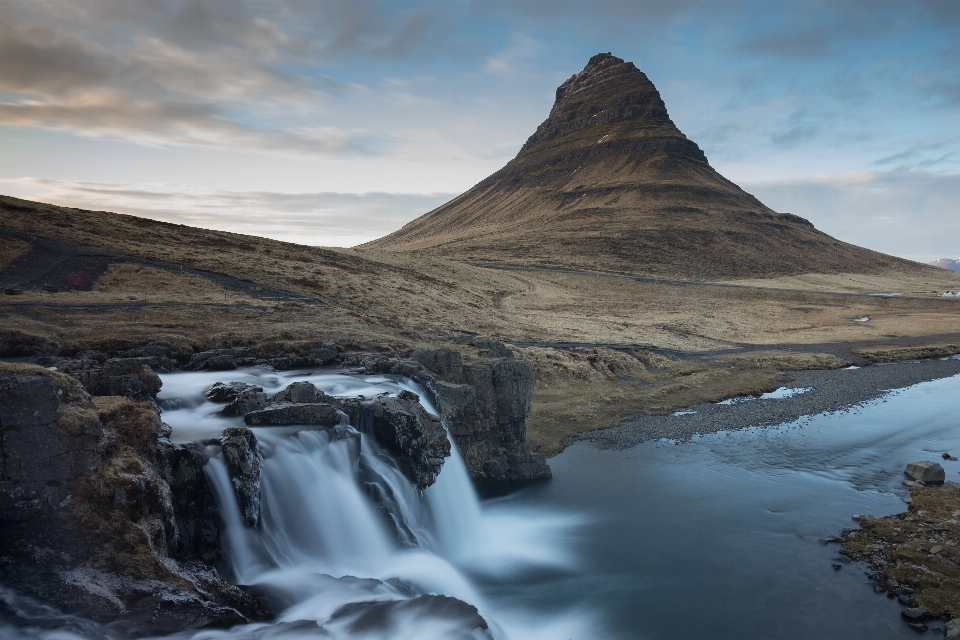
(916, 552)
(100, 537)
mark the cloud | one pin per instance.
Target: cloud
(924, 155)
(317, 218)
(913, 214)
(520, 49)
(125, 82)
(811, 42)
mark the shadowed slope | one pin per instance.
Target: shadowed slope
(609, 183)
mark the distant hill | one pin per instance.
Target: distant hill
(608, 183)
(947, 263)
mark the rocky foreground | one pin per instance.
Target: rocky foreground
(102, 516)
(913, 556)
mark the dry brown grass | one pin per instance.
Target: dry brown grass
(929, 283)
(585, 389)
(888, 353)
(381, 300)
(10, 250)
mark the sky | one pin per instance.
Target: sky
(333, 122)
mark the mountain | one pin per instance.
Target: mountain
(609, 183)
(946, 263)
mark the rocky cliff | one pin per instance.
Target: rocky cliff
(484, 404)
(88, 517)
(609, 183)
(102, 515)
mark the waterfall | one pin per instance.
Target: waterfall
(346, 547)
(342, 527)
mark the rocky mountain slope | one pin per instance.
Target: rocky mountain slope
(609, 183)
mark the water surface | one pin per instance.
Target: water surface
(719, 537)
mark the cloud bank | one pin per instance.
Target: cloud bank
(319, 219)
(913, 215)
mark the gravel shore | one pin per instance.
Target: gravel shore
(835, 390)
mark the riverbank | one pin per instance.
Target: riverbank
(829, 391)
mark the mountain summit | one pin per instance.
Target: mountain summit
(609, 183)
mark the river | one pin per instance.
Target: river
(714, 537)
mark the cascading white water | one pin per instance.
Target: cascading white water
(341, 526)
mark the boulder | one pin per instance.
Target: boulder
(326, 353)
(300, 392)
(952, 629)
(459, 619)
(289, 413)
(241, 454)
(49, 436)
(228, 391)
(916, 614)
(925, 472)
(415, 437)
(247, 400)
(215, 360)
(127, 377)
(492, 348)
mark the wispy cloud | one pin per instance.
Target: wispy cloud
(317, 218)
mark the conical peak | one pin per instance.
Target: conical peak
(601, 68)
(607, 91)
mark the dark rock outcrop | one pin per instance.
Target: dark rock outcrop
(127, 377)
(484, 405)
(215, 360)
(246, 400)
(159, 356)
(241, 453)
(300, 392)
(106, 550)
(289, 413)
(446, 363)
(486, 415)
(396, 366)
(196, 514)
(49, 436)
(416, 438)
(228, 391)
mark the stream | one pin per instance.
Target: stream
(716, 537)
